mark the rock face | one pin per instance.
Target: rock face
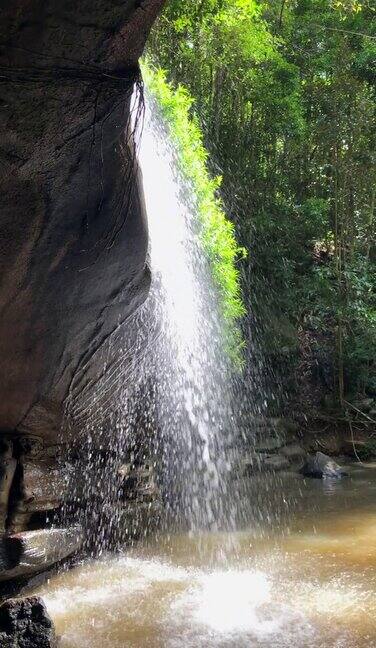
(73, 238)
(270, 447)
(24, 623)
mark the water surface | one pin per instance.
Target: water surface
(309, 583)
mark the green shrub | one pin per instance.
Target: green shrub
(216, 231)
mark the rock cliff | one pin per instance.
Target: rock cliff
(73, 236)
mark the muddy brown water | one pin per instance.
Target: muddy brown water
(309, 583)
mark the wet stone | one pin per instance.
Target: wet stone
(322, 466)
(139, 483)
(34, 551)
(25, 623)
(31, 446)
(7, 469)
(138, 519)
(43, 487)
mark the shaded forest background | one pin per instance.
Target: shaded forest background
(284, 92)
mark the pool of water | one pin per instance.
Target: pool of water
(310, 582)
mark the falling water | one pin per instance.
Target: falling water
(192, 377)
(167, 388)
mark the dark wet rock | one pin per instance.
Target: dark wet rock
(31, 447)
(276, 462)
(34, 551)
(25, 623)
(141, 501)
(322, 466)
(7, 469)
(139, 483)
(138, 519)
(43, 486)
(73, 233)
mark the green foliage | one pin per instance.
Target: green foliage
(367, 451)
(216, 231)
(285, 97)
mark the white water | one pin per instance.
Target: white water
(168, 386)
(192, 379)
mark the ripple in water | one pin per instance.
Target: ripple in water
(294, 589)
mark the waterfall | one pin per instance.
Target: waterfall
(188, 365)
(164, 401)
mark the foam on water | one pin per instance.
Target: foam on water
(292, 590)
(194, 604)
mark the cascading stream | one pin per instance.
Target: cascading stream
(170, 390)
(189, 367)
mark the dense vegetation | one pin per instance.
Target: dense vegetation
(216, 231)
(284, 91)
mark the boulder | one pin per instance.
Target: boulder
(322, 466)
(25, 623)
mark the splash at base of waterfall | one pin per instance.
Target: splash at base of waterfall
(310, 585)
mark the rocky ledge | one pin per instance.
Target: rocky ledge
(276, 445)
